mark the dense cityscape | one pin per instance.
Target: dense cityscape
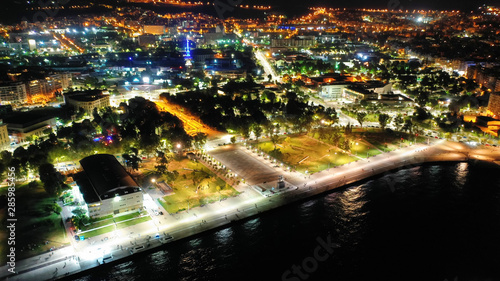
(133, 128)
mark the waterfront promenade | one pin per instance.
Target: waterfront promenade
(84, 255)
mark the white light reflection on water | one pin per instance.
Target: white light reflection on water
(461, 173)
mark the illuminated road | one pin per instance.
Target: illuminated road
(68, 43)
(267, 67)
(192, 125)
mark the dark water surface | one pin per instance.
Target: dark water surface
(441, 222)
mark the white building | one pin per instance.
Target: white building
(107, 188)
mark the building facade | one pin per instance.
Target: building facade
(13, 93)
(332, 91)
(87, 100)
(23, 126)
(4, 136)
(494, 105)
(49, 85)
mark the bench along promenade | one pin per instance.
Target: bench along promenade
(145, 237)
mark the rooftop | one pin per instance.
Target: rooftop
(103, 177)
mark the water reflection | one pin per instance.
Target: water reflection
(461, 172)
(224, 236)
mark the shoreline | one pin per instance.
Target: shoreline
(325, 181)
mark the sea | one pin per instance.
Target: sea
(435, 222)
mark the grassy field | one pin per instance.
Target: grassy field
(119, 225)
(36, 225)
(109, 221)
(195, 184)
(364, 149)
(307, 154)
(386, 141)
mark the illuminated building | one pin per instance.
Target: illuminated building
(154, 29)
(87, 100)
(28, 124)
(494, 105)
(13, 93)
(106, 186)
(4, 135)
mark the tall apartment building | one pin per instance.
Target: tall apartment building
(50, 84)
(494, 105)
(13, 93)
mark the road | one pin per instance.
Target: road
(267, 67)
(192, 124)
(248, 203)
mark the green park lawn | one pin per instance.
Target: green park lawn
(119, 225)
(35, 223)
(364, 149)
(307, 154)
(195, 184)
(385, 141)
(111, 221)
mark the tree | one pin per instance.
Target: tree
(132, 159)
(422, 98)
(275, 140)
(172, 176)
(51, 179)
(245, 131)
(257, 130)
(199, 140)
(408, 125)
(161, 168)
(78, 212)
(383, 119)
(5, 157)
(33, 184)
(56, 208)
(398, 121)
(360, 116)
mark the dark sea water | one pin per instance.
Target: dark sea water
(440, 222)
